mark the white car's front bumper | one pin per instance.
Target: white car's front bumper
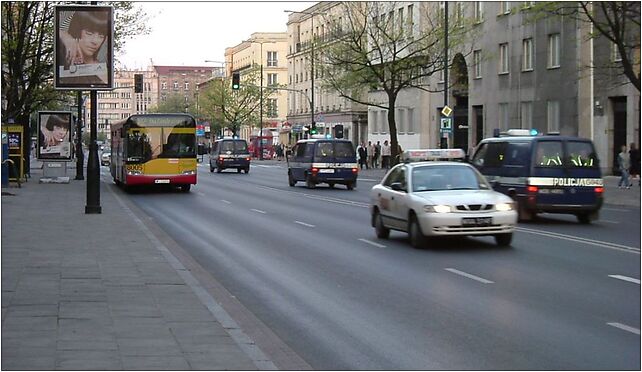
(444, 224)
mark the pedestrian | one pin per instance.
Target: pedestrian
(377, 155)
(371, 153)
(279, 152)
(385, 155)
(363, 155)
(624, 163)
(634, 157)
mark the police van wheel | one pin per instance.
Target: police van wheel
(381, 231)
(417, 238)
(524, 214)
(584, 218)
(504, 240)
(238, 170)
(331, 184)
(247, 170)
(350, 185)
(291, 180)
(309, 183)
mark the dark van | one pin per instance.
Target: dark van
(552, 174)
(230, 153)
(331, 161)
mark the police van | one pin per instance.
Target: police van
(543, 173)
(321, 160)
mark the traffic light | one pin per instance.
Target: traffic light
(313, 130)
(236, 80)
(138, 83)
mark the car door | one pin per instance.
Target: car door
(388, 199)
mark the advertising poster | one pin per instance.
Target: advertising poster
(54, 135)
(84, 47)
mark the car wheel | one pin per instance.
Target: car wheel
(417, 238)
(211, 168)
(309, 183)
(247, 170)
(503, 240)
(524, 214)
(186, 188)
(219, 169)
(382, 231)
(238, 170)
(350, 186)
(585, 218)
(331, 184)
(291, 180)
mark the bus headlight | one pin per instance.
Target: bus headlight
(503, 207)
(134, 173)
(437, 208)
(189, 172)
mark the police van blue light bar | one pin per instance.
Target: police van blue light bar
(432, 155)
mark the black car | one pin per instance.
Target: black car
(230, 153)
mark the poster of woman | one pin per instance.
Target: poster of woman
(54, 135)
(84, 47)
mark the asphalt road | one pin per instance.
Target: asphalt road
(309, 266)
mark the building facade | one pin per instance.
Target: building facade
(267, 49)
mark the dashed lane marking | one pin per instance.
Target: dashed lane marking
(304, 224)
(372, 243)
(226, 202)
(577, 239)
(625, 278)
(258, 211)
(615, 209)
(625, 327)
(469, 276)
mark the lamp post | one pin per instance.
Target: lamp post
(311, 14)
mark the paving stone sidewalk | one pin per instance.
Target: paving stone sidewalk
(92, 292)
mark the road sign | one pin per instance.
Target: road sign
(446, 111)
(446, 125)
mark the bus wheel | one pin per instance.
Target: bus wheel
(185, 188)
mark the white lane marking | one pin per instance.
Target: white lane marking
(625, 278)
(201, 193)
(470, 276)
(607, 221)
(304, 224)
(258, 211)
(367, 180)
(226, 202)
(625, 327)
(577, 239)
(310, 196)
(615, 209)
(372, 243)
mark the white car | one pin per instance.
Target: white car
(105, 157)
(440, 198)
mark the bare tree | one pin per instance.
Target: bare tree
(376, 49)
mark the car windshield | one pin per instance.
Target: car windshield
(234, 147)
(334, 150)
(447, 177)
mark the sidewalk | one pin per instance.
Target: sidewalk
(96, 292)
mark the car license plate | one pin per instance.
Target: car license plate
(161, 181)
(326, 170)
(476, 221)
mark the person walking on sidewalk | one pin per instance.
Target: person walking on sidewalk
(624, 163)
(377, 155)
(634, 157)
(385, 155)
(371, 153)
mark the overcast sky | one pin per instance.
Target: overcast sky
(188, 33)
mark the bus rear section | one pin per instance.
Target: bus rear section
(156, 149)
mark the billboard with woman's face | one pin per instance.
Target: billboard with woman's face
(84, 47)
(54, 135)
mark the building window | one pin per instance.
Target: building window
(442, 75)
(410, 20)
(372, 119)
(615, 53)
(503, 117)
(478, 11)
(164, 85)
(528, 4)
(477, 63)
(527, 55)
(383, 122)
(503, 58)
(271, 59)
(459, 14)
(504, 7)
(176, 85)
(411, 120)
(272, 110)
(553, 116)
(526, 115)
(186, 85)
(271, 79)
(553, 50)
(400, 21)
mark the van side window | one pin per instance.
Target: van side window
(517, 154)
(581, 155)
(494, 156)
(549, 154)
(309, 150)
(299, 150)
(215, 147)
(478, 158)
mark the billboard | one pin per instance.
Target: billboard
(54, 135)
(84, 48)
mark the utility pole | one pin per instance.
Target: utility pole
(80, 155)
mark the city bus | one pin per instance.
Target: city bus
(154, 149)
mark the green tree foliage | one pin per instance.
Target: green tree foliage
(616, 21)
(175, 102)
(229, 108)
(373, 51)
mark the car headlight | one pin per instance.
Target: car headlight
(437, 208)
(503, 207)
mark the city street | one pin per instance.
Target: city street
(307, 264)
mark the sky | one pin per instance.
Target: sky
(188, 33)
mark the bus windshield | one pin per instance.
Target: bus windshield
(151, 143)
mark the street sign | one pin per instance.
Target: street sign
(446, 111)
(446, 125)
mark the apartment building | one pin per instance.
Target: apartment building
(267, 49)
(181, 80)
(307, 100)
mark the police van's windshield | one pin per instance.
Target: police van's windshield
(234, 147)
(334, 150)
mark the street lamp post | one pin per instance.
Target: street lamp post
(311, 14)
